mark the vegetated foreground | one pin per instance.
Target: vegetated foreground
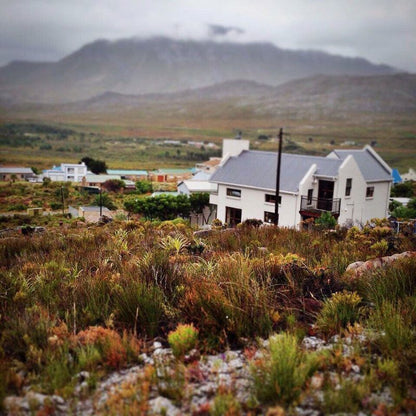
(258, 319)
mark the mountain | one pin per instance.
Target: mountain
(334, 96)
(162, 65)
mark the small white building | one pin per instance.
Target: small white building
(409, 176)
(66, 172)
(353, 185)
(199, 184)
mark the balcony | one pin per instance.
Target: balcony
(314, 207)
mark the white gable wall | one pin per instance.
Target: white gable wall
(357, 208)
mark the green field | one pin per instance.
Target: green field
(136, 140)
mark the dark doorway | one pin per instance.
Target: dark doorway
(232, 216)
(325, 195)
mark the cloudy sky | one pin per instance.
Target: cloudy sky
(383, 31)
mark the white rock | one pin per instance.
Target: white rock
(162, 405)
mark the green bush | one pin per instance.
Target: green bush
(326, 221)
(341, 309)
(394, 332)
(282, 373)
(183, 339)
(225, 404)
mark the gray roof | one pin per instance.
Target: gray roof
(370, 167)
(258, 169)
(15, 170)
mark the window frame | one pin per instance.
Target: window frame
(369, 192)
(233, 192)
(348, 187)
(268, 217)
(272, 199)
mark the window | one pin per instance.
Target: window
(310, 195)
(370, 192)
(71, 170)
(348, 187)
(269, 217)
(271, 198)
(234, 192)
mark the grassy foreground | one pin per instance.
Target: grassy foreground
(89, 298)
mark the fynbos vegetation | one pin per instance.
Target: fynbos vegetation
(78, 299)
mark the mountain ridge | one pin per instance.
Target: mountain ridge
(161, 65)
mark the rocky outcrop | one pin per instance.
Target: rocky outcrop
(357, 268)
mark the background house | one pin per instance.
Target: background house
(199, 184)
(354, 185)
(18, 173)
(129, 174)
(66, 172)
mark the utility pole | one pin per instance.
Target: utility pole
(279, 159)
(63, 200)
(101, 202)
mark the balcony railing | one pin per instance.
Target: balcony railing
(319, 205)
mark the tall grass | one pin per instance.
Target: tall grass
(282, 373)
(391, 284)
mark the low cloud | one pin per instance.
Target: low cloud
(219, 30)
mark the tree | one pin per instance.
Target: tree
(199, 201)
(105, 200)
(144, 187)
(161, 207)
(114, 185)
(95, 166)
(326, 221)
(404, 189)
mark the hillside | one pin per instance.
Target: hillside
(160, 65)
(336, 96)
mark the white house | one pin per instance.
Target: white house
(409, 176)
(354, 185)
(199, 184)
(66, 172)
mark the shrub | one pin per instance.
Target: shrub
(144, 187)
(394, 283)
(183, 339)
(347, 399)
(341, 309)
(284, 370)
(108, 343)
(139, 306)
(225, 404)
(326, 221)
(395, 333)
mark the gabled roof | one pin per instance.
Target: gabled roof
(199, 186)
(371, 167)
(126, 172)
(15, 170)
(258, 169)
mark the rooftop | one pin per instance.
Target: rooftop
(258, 169)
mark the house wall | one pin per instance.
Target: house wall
(252, 204)
(357, 208)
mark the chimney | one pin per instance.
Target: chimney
(233, 147)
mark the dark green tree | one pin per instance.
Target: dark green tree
(405, 190)
(114, 185)
(161, 207)
(144, 187)
(105, 200)
(95, 166)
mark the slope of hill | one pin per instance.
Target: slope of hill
(160, 65)
(338, 96)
